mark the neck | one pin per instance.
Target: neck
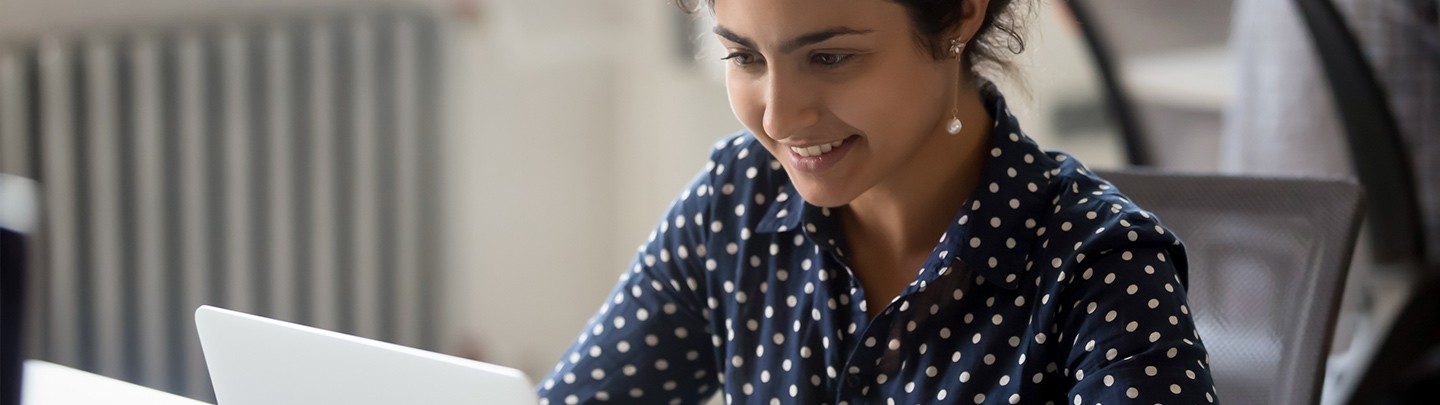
(906, 214)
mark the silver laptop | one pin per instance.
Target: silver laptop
(261, 361)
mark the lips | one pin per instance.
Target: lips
(816, 159)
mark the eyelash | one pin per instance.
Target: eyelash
(740, 59)
(840, 58)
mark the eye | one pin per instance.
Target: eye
(740, 58)
(829, 59)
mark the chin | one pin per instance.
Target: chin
(822, 195)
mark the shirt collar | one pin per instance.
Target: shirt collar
(1004, 223)
(785, 214)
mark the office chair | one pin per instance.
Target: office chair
(1390, 338)
(1268, 258)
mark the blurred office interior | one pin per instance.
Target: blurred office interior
(471, 176)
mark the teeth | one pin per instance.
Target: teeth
(817, 150)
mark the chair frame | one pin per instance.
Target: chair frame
(1382, 167)
(1348, 206)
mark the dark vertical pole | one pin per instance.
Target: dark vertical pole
(1376, 148)
(1137, 148)
(1383, 167)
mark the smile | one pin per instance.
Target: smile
(816, 150)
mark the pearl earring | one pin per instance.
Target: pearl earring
(954, 125)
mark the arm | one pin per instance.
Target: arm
(1139, 344)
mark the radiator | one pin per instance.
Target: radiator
(283, 166)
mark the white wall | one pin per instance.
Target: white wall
(574, 124)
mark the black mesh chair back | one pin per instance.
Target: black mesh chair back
(1267, 260)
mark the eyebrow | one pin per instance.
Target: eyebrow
(793, 43)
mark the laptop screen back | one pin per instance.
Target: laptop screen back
(260, 361)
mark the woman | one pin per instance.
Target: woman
(884, 232)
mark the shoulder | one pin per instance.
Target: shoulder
(739, 186)
(738, 157)
(1090, 218)
(742, 171)
(730, 158)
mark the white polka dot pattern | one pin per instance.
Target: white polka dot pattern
(1049, 287)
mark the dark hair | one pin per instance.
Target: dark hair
(999, 30)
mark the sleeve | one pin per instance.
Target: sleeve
(1135, 341)
(650, 341)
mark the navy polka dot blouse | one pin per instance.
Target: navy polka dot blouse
(1049, 286)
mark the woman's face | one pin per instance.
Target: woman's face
(838, 91)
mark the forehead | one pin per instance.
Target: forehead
(771, 21)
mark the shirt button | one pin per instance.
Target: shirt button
(852, 380)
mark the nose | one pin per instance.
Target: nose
(790, 106)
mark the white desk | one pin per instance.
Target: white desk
(54, 384)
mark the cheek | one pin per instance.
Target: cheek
(893, 102)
